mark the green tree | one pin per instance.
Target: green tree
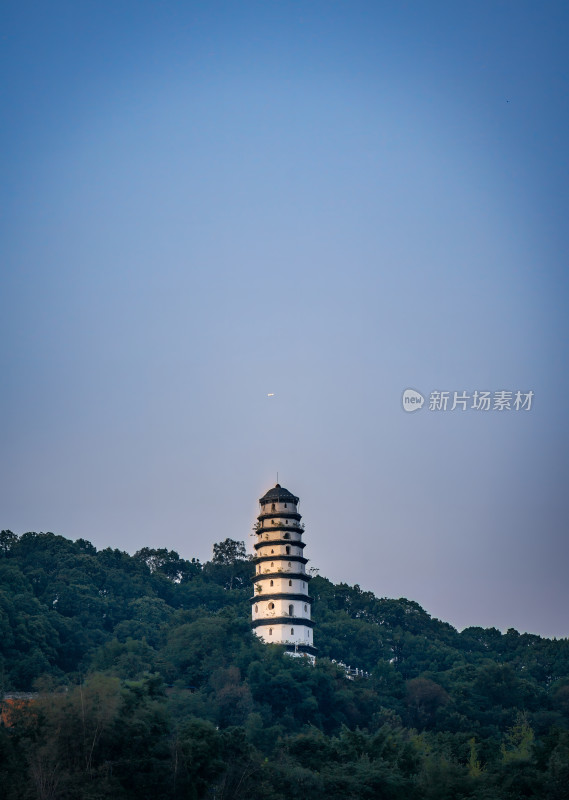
(7, 542)
(197, 758)
(229, 551)
(230, 565)
(168, 563)
(518, 741)
(424, 697)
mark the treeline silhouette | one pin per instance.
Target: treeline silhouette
(145, 681)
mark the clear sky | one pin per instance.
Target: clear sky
(207, 202)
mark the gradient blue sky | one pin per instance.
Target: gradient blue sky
(205, 202)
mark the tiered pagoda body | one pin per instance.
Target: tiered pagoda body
(281, 604)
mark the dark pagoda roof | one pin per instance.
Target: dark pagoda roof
(278, 495)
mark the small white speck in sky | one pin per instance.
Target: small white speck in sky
(270, 394)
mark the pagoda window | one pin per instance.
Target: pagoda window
(292, 630)
(290, 565)
(272, 583)
(256, 609)
(273, 507)
(306, 607)
(272, 563)
(290, 583)
(272, 551)
(286, 506)
(271, 606)
(288, 551)
(291, 611)
(270, 631)
(287, 534)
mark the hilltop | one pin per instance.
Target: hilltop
(116, 643)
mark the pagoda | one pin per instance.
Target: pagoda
(280, 603)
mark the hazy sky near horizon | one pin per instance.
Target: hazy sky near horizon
(207, 202)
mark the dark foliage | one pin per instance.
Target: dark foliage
(149, 684)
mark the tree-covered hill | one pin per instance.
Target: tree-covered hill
(150, 683)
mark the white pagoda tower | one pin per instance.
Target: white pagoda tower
(281, 605)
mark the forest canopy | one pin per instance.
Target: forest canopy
(144, 680)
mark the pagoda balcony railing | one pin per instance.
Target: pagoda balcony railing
(275, 613)
(294, 526)
(281, 570)
(274, 571)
